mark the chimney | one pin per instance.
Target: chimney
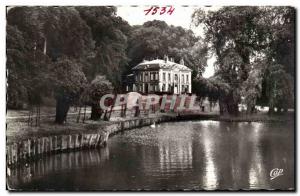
(181, 61)
(166, 58)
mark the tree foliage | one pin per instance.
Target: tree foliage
(280, 88)
(242, 36)
(65, 45)
(26, 71)
(68, 82)
(60, 28)
(154, 39)
(71, 46)
(110, 36)
(16, 68)
(98, 87)
(252, 87)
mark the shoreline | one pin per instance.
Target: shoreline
(96, 134)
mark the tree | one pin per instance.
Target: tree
(251, 89)
(110, 34)
(154, 39)
(16, 68)
(281, 22)
(48, 34)
(213, 88)
(241, 35)
(98, 87)
(26, 74)
(59, 31)
(68, 82)
(280, 91)
(234, 34)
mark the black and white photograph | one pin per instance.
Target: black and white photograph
(150, 98)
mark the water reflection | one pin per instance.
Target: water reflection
(173, 152)
(175, 156)
(257, 174)
(54, 164)
(210, 180)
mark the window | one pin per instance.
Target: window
(169, 77)
(182, 78)
(164, 76)
(141, 77)
(187, 78)
(176, 77)
(164, 87)
(151, 76)
(156, 75)
(146, 77)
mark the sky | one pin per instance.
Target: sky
(180, 17)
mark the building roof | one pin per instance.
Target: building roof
(160, 64)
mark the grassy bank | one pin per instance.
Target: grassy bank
(19, 130)
(258, 117)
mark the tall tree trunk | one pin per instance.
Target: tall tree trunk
(233, 108)
(78, 115)
(271, 110)
(96, 111)
(105, 115)
(84, 113)
(39, 118)
(221, 107)
(62, 108)
(29, 121)
(110, 111)
(228, 106)
(38, 115)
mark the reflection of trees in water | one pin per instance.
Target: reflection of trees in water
(218, 155)
(54, 164)
(169, 150)
(175, 155)
(204, 155)
(232, 156)
(208, 141)
(175, 148)
(257, 173)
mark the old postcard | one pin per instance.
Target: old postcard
(150, 98)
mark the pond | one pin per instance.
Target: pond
(193, 155)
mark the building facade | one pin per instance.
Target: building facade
(160, 76)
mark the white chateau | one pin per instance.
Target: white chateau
(160, 76)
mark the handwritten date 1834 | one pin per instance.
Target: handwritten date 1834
(160, 10)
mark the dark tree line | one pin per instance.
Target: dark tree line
(74, 55)
(57, 52)
(155, 39)
(255, 49)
